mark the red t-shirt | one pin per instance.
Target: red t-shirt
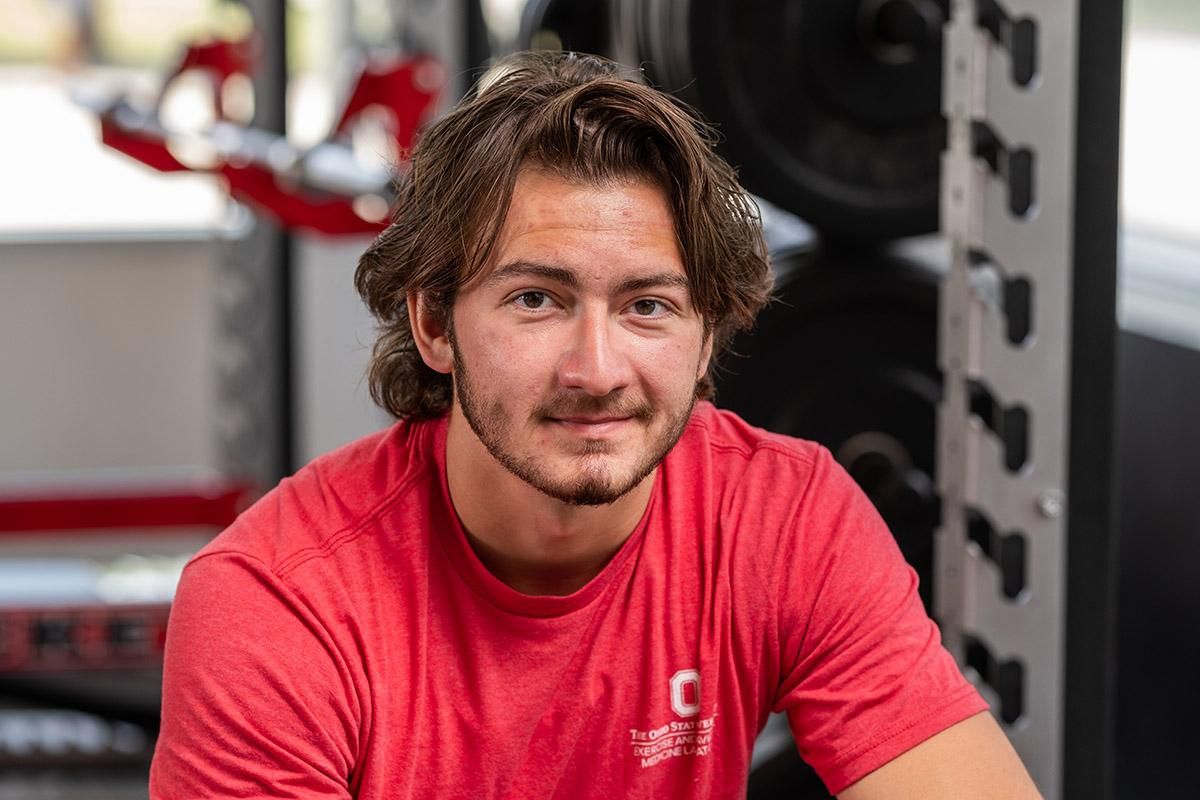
(342, 639)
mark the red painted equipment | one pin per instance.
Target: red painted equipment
(353, 199)
(140, 135)
(323, 189)
(85, 637)
(214, 504)
(68, 613)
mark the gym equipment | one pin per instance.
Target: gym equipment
(139, 134)
(829, 109)
(847, 356)
(1025, 552)
(88, 569)
(579, 25)
(326, 188)
(103, 603)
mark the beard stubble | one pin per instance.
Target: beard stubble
(594, 485)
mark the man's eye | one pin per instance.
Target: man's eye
(532, 300)
(648, 308)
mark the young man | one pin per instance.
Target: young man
(561, 574)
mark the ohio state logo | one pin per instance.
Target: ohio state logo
(685, 692)
(681, 737)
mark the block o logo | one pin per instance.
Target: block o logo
(685, 692)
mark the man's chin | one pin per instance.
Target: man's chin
(593, 486)
(592, 496)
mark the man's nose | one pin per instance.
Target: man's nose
(595, 361)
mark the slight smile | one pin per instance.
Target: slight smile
(592, 426)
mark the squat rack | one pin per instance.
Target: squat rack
(1024, 558)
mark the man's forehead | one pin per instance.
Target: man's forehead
(544, 198)
(575, 232)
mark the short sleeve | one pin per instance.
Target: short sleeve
(864, 673)
(255, 701)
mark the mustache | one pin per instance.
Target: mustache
(566, 405)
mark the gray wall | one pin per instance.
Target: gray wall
(107, 352)
(334, 335)
(105, 347)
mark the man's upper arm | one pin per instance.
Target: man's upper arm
(255, 702)
(866, 676)
(972, 759)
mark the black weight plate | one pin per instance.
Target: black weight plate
(848, 358)
(822, 114)
(578, 25)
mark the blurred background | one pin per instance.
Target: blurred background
(185, 187)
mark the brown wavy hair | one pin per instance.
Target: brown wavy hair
(583, 118)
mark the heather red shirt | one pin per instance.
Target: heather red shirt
(342, 639)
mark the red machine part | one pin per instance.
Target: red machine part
(141, 137)
(407, 91)
(219, 60)
(203, 505)
(82, 637)
(73, 636)
(142, 146)
(295, 206)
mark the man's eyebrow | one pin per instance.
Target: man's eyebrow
(528, 268)
(655, 281)
(568, 278)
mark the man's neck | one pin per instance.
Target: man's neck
(534, 543)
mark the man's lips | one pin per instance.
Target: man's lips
(592, 426)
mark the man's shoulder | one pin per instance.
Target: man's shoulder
(333, 496)
(762, 477)
(731, 441)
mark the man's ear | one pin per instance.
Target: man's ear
(430, 335)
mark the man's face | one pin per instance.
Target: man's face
(576, 355)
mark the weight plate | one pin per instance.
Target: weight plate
(828, 108)
(848, 358)
(578, 25)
